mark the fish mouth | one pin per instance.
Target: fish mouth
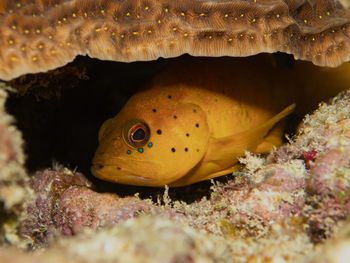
(115, 174)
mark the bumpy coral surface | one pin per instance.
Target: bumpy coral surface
(41, 35)
(66, 205)
(146, 239)
(337, 249)
(13, 178)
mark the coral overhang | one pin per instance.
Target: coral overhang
(39, 35)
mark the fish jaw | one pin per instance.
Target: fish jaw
(113, 174)
(123, 173)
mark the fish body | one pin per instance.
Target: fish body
(190, 124)
(194, 120)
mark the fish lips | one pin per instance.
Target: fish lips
(114, 174)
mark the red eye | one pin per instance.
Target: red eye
(138, 134)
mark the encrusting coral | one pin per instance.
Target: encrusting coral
(41, 35)
(145, 239)
(276, 209)
(14, 190)
(65, 205)
(335, 250)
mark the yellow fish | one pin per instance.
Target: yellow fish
(193, 121)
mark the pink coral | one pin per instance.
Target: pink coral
(66, 205)
(322, 179)
(279, 196)
(80, 207)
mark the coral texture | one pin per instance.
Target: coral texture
(337, 249)
(13, 178)
(65, 205)
(41, 35)
(145, 239)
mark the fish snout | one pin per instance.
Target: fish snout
(97, 169)
(106, 172)
(117, 174)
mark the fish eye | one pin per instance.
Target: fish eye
(136, 133)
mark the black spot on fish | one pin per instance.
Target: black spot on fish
(175, 117)
(169, 96)
(197, 125)
(154, 110)
(159, 131)
(187, 134)
(186, 149)
(118, 168)
(194, 110)
(173, 149)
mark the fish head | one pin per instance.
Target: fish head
(152, 141)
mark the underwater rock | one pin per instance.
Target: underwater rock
(336, 249)
(279, 196)
(326, 132)
(145, 239)
(13, 177)
(329, 188)
(65, 205)
(81, 207)
(249, 204)
(328, 176)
